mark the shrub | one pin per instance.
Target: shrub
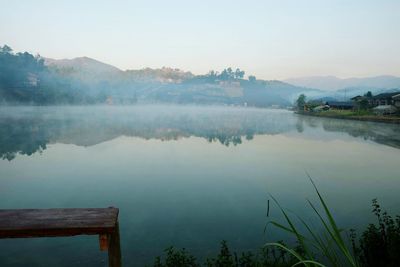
(379, 244)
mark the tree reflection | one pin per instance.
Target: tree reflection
(382, 133)
(27, 131)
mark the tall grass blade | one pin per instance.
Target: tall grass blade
(299, 237)
(291, 251)
(309, 261)
(320, 244)
(334, 230)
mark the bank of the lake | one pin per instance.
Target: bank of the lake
(351, 115)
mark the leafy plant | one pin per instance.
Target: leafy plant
(379, 245)
(330, 245)
(266, 257)
(176, 258)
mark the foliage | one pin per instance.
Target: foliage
(379, 245)
(330, 245)
(25, 79)
(164, 74)
(266, 257)
(368, 94)
(252, 78)
(176, 258)
(301, 102)
(344, 113)
(363, 104)
(239, 74)
(19, 70)
(225, 75)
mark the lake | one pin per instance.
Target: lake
(187, 176)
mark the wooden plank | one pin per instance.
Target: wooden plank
(57, 222)
(114, 248)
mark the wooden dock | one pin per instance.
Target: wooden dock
(28, 223)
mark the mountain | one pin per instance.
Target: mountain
(174, 85)
(26, 79)
(88, 69)
(84, 69)
(82, 63)
(331, 83)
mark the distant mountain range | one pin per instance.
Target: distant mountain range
(175, 85)
(332, 83)
(167, 84)
(26, 79)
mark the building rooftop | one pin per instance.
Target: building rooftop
(340, 103)
(385, 95)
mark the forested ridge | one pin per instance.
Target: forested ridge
(29, 79)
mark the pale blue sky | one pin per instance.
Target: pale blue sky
(271, 39)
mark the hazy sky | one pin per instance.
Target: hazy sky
(271, 39)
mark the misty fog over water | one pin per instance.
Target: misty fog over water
(187, 176)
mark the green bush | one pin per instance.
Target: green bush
(266, 257)
(379, 244)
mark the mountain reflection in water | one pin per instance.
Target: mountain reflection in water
(27, 130)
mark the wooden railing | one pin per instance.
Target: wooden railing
(27, 223)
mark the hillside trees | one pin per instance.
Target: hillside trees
(25, 79)
(301, 102)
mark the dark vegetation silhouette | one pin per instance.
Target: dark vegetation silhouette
(379, 245)
(272, 257)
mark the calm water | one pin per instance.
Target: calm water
(186, 176)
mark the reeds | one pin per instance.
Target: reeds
(328, 248)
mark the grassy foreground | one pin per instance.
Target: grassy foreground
(378, 245)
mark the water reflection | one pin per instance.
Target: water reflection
(381, 133)
(26, 130)
(186, 193)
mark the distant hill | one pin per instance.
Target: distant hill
(88, 69)
(84, 69)
(26, 79)
(332, 83)
(173, 85)
(82, 63)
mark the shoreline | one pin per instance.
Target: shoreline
(371, 118)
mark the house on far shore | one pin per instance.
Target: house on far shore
(386, 103)
(343, 105)
(396, 99)
(360, 98)
(385, 109)
(357, 98)
(384, 99)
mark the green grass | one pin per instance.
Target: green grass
(363, 115)
(338, 112)
(330, 245)
(379, 244)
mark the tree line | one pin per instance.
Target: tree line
(24, 78)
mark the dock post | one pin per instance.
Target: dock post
(114, 248)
